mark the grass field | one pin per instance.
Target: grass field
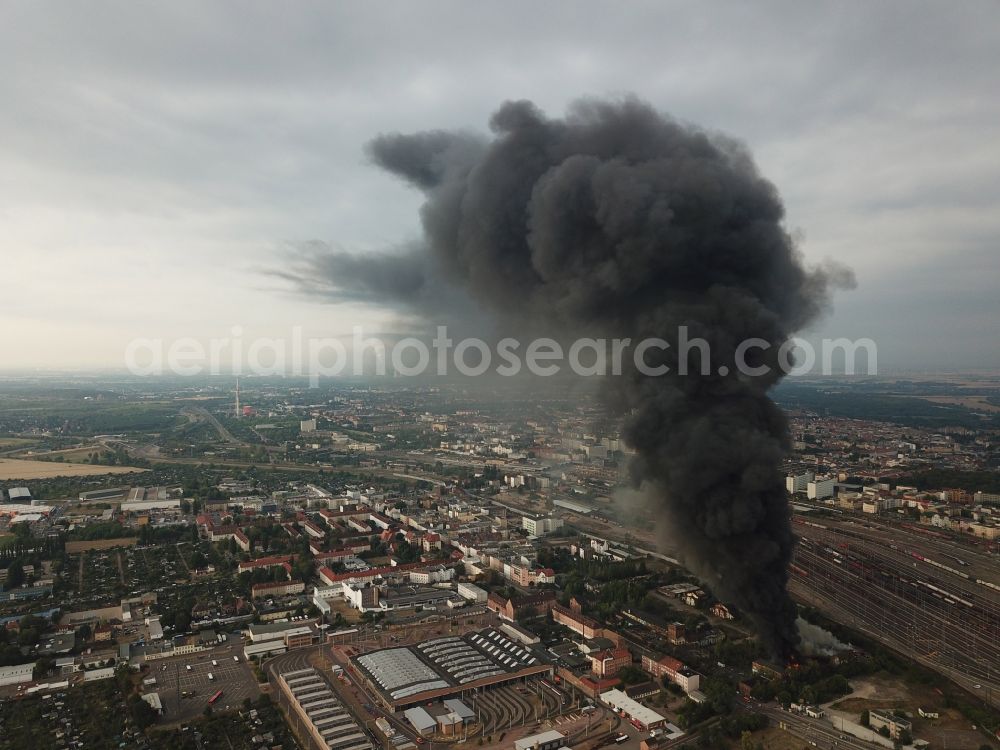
(976, 403)
(8, 442)
(14, 468)
(69, 455)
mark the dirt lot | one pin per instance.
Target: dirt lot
(349, 613)
(774, 739)
(74, 548)
(15, 468)
(951, 729)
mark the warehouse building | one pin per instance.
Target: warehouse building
(314, 703)
(105, 495)
(472, 592)
(446, 666)
(895, 725)
(420, 720)
(545, 741)
(19, 495)
(16, 674)
(619, 701)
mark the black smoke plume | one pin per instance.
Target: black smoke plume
(619, 221)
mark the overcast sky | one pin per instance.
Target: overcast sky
(157, 159)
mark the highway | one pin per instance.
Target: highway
(199, 412)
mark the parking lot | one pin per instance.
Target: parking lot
(185, 693)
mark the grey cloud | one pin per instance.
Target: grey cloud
(247, 124)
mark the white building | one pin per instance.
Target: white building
(798, 482)
(16, 674)
(544, 741)
(153, 699)
(155, 629)
(880, 504)
(472, 592)
(104, 673)
(618, 700)
(19, 495)
(820, 488)
(437, 574)
(322, 596)
(541, 526)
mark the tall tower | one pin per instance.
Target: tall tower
(238, 411)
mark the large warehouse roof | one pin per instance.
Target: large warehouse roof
(448, 662)
(400, 673)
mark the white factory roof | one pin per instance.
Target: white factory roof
(420, 719)
(264, 649)
(457, 707)
(141, 505)
(153, 699)
(399, 672)
(155, 629)
(538, 739)
(617, 699)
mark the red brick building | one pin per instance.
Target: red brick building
(511, 609)
(608, 662)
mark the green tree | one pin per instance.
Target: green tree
(720, 692)
(143, 714)
(83, 633)
(43, 666)
(15, 575)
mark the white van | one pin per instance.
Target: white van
(215, 663)
(210, 677)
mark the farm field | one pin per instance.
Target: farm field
(16, 468)
(976, 403)
(9, 442)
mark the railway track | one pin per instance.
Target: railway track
(912, 607)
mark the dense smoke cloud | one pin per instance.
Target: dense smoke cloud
(817, 641)
(618, 221)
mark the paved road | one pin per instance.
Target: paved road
(200, 412)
